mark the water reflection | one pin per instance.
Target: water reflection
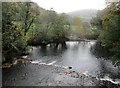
(77, 55)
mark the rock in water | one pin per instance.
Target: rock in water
(70, 67)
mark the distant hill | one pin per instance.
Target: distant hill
(85, 14)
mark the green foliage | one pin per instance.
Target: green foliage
(96, 22)
(108, 22)
(17, 19)
(54, 28)
(83, 29)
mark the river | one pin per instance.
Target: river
(52, 67)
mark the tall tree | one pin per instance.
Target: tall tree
(109, 22)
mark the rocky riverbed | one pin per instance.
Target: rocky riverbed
(50, 75)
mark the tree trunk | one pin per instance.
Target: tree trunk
(64, 44)
(56, 45)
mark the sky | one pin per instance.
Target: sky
(61, 6)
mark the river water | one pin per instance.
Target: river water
(77, 55)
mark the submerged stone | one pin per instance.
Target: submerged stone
(70, 67)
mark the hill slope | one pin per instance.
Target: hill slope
(85, 14)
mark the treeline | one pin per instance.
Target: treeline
(83, 29)
(54, 29)
(107, 22)
(25, 23)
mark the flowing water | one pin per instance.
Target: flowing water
(77, 55)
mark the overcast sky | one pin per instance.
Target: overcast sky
(70, 5)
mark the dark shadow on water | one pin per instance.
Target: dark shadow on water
(99, 51)
(51, 51)
(106, 63)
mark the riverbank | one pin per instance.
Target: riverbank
(22, 59)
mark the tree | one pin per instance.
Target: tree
(54, 29)
(10, 33)
(108, 22)
(17, 19)
(77, 26)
